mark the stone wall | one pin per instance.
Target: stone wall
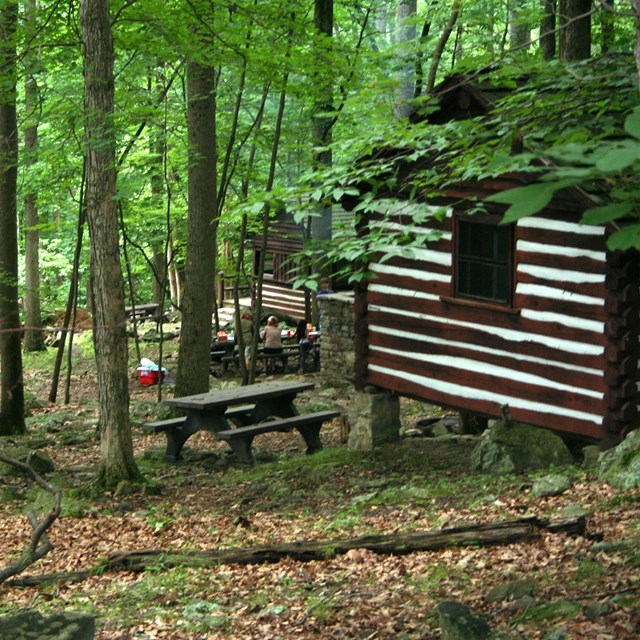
(337, 352)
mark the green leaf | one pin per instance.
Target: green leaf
(525, 201)
(632, 123)
(625, 238)
(619, 157)
(607, 213)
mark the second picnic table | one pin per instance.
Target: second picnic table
(245, 407)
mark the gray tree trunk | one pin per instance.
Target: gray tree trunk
(33, 335)
(406, 36)
(321, 125)
(192, 375)
(11, 383)
(109, 333)
(575, 30)
(548, 29)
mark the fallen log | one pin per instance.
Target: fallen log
(508, 532)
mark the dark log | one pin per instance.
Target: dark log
(509, 532)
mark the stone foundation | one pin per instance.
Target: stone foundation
(374, 418)
(337, 351)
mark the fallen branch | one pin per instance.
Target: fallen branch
(512, 531)
(508, 532)
(39, 545)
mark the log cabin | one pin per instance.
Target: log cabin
(538, 315)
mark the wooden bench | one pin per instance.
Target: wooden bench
(308, 425)
(172, 427)
(142, 311)
(288, 351)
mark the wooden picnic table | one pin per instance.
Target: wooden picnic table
(215, 410)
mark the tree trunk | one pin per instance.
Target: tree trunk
(519, 31)
(575, 30)
(33, 335)
(322, 123)
(636, 10)
(11, 382)
(406, 37)
(548, 29)
(192, 375)
(510, 532)
(109, 333)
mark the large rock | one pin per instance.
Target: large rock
(518, 447)
(458, 623)
(31, 625)
(620, 466)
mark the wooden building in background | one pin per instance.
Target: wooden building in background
(537, 315)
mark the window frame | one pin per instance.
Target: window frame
(506, 265)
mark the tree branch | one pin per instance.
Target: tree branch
(39, 545)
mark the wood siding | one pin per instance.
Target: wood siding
(554, 356)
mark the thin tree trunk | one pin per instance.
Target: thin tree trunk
(548, 29)
(110, 338)
(11, 381)
(442, 43)
(33, 334)
(73, 294)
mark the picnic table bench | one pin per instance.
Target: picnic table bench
(288, 352)
(256, 408)
(307, 424)
(142, 311)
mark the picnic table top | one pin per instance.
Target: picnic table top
(240, 395)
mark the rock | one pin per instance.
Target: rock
(40, 462)
(590, 456)
(620, 466)
(31, 625)
(458, 623)
(553, 484)
(519, 447)
(596, 610)
(512, 590)
(573, 510)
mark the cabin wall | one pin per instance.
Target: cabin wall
(544, 357)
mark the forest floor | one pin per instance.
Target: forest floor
(584, 586)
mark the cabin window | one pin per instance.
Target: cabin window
(484, 258)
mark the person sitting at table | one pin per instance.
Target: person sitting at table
(272, 342)
(305, 345)
(246, 329)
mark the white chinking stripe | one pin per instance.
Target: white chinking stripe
(468, 365)
(567, 321)
(512, 335)
(403, 272)
(549, 224)
(478, 394)
(542, 291)
(481, 349)
(560, 275)
(568, 252)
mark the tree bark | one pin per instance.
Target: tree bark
(510, 532)
(11, 381)
(192, 375)
(406, 13)
(109, 332)
(33, 334)
(575, 30)
(548, 29)
(322, 122)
